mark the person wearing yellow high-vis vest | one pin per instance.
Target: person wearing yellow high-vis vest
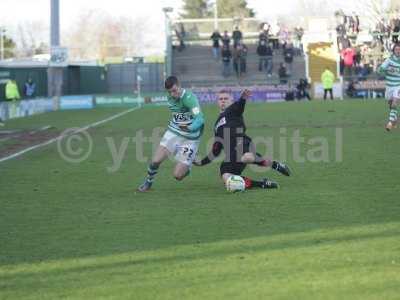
(328, 78)
(12, 92)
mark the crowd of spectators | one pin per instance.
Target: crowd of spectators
(234, 57)
(359, 60)
(276, 49)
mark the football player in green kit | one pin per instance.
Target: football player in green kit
(390, 68)
(182, 137)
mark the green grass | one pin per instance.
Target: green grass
(78, 231)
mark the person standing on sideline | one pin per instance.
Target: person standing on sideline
(12, 93)
(327, 79)
(182, 137)
(29, 88)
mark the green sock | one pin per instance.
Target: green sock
(151, 172)
(393, 115)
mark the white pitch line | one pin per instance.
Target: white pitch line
(61, 136)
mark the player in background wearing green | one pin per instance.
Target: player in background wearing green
(182, 136)
(391, 69)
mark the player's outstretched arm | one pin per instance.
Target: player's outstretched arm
(215, 151)
(384, 66)
(246, 94)
(239, 105)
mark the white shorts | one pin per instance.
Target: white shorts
(182, 149)
(392, 92)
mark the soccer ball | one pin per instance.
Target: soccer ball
(235, 183)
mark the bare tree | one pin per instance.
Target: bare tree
(82, 38)
(317, 8)
(31, 38)
(97, 35)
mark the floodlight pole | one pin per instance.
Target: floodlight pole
(55, 73)
(2, 31)
(168, 41)
(216, 15)
(55, 23)
(1, 44)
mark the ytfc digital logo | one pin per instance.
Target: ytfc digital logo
(76, 145)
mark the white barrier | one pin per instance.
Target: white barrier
(24, 108)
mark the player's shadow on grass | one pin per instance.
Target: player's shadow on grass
(242, 249)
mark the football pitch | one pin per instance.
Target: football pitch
(74, 227)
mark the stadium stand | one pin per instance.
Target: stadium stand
(197, 67)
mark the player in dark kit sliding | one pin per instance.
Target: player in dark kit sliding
(230, 136)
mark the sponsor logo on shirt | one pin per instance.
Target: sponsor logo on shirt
(220, 123)
(182, 118)
(393, 69)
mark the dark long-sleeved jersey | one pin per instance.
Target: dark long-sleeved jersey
(228, 129)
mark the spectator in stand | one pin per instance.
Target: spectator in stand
(290, 94)
(352, 24)
(381, 30)
(344, 42)
(283, 36)
(302, 90)
(340, 30)
(288, 54)
(29, 88)
(269, 56)
(226, 40)
(239, 59)
(396, 30)
(341, 18)
(262, 53)
(226, 61)
(180, 34)
(237, 36)
(215, 37)
(282, 72)
(12, 92)
(263, 36)
(356, 28)
(273, 35)
(298, 36)
(348, 61)
(351, 90)
(327, 79)
(357, 56)
(267, 28)
(364, 72)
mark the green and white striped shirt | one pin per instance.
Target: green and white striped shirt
(186, 111)
(391, 69)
